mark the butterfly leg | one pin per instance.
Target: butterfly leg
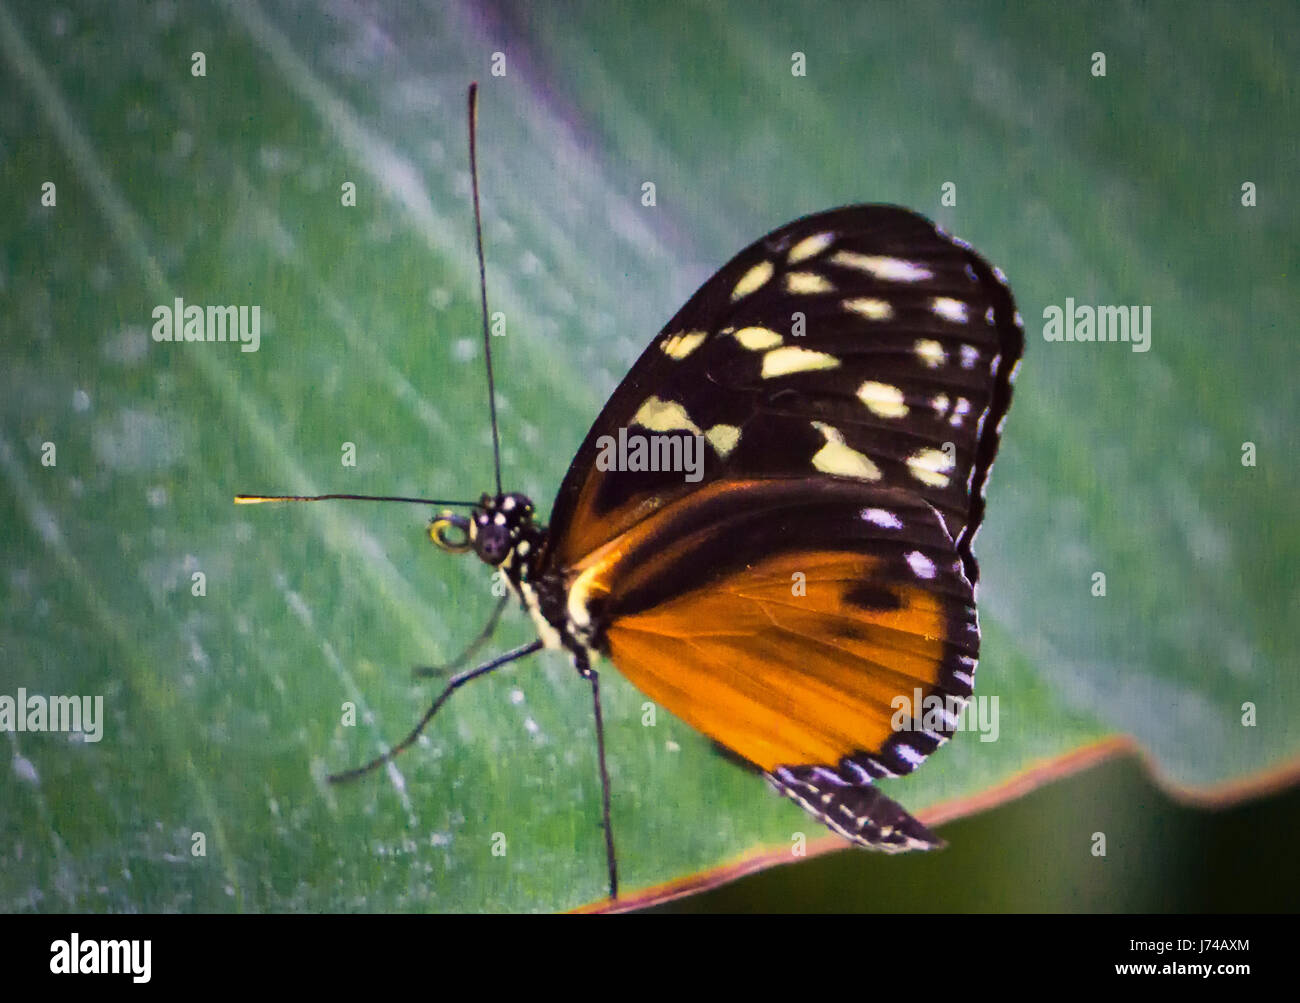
(593, 677)
(485, 635)
(452, 686)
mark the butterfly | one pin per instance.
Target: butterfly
(768, 528)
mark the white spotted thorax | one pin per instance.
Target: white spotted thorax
(503, 533)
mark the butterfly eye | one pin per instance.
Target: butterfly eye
(441, 528)
(492, 542)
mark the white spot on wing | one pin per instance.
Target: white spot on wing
(723, 438)
(908, 755)
(810, 247)
(930, 352)
(883, 267)
(753, 279)
(664, 416)
(949, 309)
(921, 565)
(805, 283)
(757, 339)
(882, 399)
(869, 307)
(930, 466)
(836, 457)
(787, 360)
(882, 517)
(969, 356)
(678, 346)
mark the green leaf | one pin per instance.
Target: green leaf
(224, 712)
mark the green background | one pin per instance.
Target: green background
(223, 711)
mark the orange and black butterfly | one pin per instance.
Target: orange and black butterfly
(842, 384)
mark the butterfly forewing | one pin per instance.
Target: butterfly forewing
(860, 342)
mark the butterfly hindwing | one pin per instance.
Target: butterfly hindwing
(789, 627)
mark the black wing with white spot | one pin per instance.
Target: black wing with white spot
(862, 342)
(854, 807)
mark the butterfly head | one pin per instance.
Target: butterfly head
(493, 529)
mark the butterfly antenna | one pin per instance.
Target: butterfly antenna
(482, 280)
(263, 499)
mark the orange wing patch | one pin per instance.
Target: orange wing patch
(783, 678)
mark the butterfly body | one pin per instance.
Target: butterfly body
(846, 377)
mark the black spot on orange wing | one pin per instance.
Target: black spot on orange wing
(872, 597)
